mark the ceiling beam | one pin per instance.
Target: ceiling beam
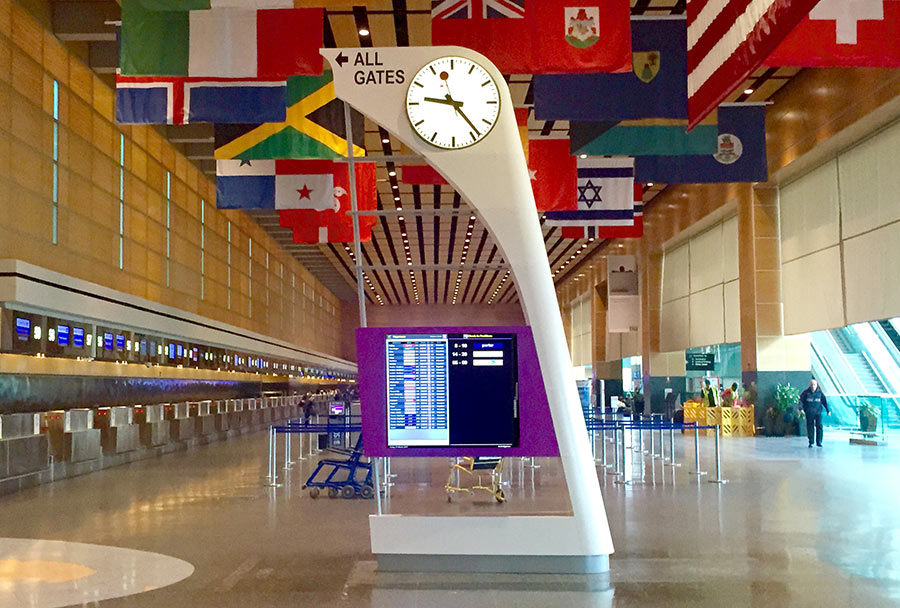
(429, 267)
(86, 21)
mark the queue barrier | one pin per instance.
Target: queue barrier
(298, 426)
(654, 425)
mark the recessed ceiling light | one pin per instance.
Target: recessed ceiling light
(392, 173)
(582, 156)
(385, 140)
(650, 185)
(748, 91)
(363, 32)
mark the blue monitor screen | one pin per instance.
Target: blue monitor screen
(62, 335)
(195, 354)
(171, 350)
(23, 327)
(180, 350)
(108, 341)
(120, 342)
(78, 337)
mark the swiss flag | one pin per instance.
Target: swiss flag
(554, 174)
(843, 33)
(310, 226)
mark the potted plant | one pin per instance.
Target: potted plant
(782, 414)
(868, 418)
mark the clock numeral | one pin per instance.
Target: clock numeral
(490, 102)
(485, 83)
(419, 84)
(453, 141)
(451, 64)
(433, 136)
(418, 123)
(472, 135)
(431, 67)
(414, 103)
(470, 69)
(486, 121)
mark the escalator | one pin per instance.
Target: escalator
(891, 332)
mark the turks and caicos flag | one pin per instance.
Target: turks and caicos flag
(605, 195)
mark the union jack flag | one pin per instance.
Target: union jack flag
(489, 9)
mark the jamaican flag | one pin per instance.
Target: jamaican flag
(313, 127)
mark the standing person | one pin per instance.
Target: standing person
(812, 401)
(729, 395)
(710, 395)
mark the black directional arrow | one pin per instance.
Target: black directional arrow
(341, 59)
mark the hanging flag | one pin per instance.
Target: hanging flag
(553, 174)
(605, 195)
(224, 43)
(537, 36)
(189, 5)
(646, 137)
(334, 225)
(655, 86)
(177, 101)
(420, 175)
(634, 231)
(313, 127)
(843, 33)
(740, 156)
(275, 184)
(728, 40)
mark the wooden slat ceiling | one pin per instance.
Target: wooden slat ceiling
(472, 267)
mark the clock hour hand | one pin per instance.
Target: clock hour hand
(446, 102)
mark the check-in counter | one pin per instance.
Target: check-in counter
(118, 432)
(220, 413)
(256, 416)
(236, 413)
(201, 413)
(181, 426)
(72, 435)
(154, 428)
(23, 449)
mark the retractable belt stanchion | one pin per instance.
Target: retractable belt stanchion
(616, 442)
(718, 478)
(652, 443)
(623, 480)
(287, 450)
(697, 470)
(672, 462)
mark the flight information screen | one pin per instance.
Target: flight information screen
(452, 390)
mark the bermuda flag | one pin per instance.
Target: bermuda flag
(332, 225)
(270, 44)
(635, 231)
(169, 100)
(728, 40)
(844, 33)
(605, 195)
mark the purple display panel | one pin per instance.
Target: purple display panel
(536, 436)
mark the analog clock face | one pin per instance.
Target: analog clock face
(452, 103)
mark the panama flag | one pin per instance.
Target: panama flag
(226, 42)
(275, 184)
(605, 195)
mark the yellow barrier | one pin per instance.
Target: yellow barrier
(735, 421)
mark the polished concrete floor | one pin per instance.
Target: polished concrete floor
(794, 527)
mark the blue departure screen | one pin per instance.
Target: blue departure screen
(78, 337)
(180, 350)
(62, 335)
(452, 390)
(23, 327)
(108, 341)
(120, 342)
(171, 350)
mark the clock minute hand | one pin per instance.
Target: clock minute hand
(466, 118)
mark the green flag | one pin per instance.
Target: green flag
(313, 127)
(647, 137)
(153, 42)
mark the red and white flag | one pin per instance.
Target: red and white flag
(844, 33)
(728, 40)
(313, 225)
(635, 231)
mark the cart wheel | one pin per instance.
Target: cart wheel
(500, 496)
(348, 491)
(314, 492)
(367, 492)
(333, 492)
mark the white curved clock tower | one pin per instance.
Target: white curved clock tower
(452, 106)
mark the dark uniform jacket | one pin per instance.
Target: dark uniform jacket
(813, 402)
